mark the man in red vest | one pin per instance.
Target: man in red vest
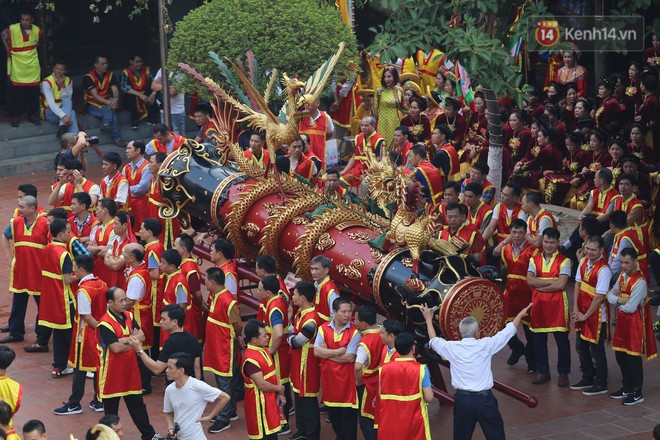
(207, 129)
(479, 173)
(507, 210)
(336, 345)
(305, 367)
(100, 236)
(326, 290)
(633, 335)
(164, 141)
(401, 145)
(367, 362)
(137, 174)
(457, 226)
(222, 255)
(517, 293)
(139, 301)
(256, 153)
(319, 127)
(82, 221)
(170, 227)
(57, 302)
(591, 316)
(223, 343)
(299, 164)
(123, 235)
(28, 234)
(72, 181)
(153, 249)
(538, 219)
(102, 98)
(548, 275)
(449, 195)
(20, 41)
(479, 213)
(184, 245)
(368, 138)
(276, 320)
(119, 374)
(90, 306)
(135, 82)
(264, 395)
(626, 236)
(426, 174)
(114, 184)
(405, 389)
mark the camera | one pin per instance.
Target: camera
(92, 140)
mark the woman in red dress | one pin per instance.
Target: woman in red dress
(477, 146)
(417, 122)
(567, 107)
(571, 71)
(561, 186)
(544, 156)
(517, 138)
(641, 149)
(608, 112)
(617, 149)
(600, 158)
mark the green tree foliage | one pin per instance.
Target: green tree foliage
(294, 36)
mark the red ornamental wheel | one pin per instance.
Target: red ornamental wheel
(476, 297)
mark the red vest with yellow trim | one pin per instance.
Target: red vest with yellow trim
(283, 292)
(305, 366)
(261, 162)
(262, 415)
(102, 86)
(323, 291)
(485, 186)
(372, 343)
(170, 228)
(479, 218)
(70, 190)
(316, 130)
(136, 204)
(549, 309)
(29, 243)
(533, 222)
(117, 278)
(633, 333)
(628, 205)
(195, 322)
(466, 231)
(138, 83)
(23, 63)
(56, 294)
(100, 237)
(230, 270)
(590, 329)
(430, 177)
(602, 200)
(57, 93)
(172, 282)
(119, 374)
(11, 392)
(178, 141)
(517, 293)
(220, 334)
(110, 190)
(504, 220)
(338, 379)
(635, 236)
(402, 411)
(208, 130)
(87, 228)
(59, 204)
(374, 142)
(454, 164)
(143, 309)
(84, 354)
(304, 168)
(283, 355)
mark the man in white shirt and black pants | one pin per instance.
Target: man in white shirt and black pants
(186, 399)
(471, 374)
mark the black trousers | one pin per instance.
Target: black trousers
(23, 99)
(632, 372)
(62, 343)
(563, 352)
(16, 323)
(137, 410)
(470, 408)
(130, 102)
(78, 387)
(593, 361)
(515, 344)
(145, 373)
(366, 424)
(308, 417)
(344, 422)
(289, 400)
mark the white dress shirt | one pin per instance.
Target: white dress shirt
(470, 358)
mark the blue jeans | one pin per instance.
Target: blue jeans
(178, 122)
(67, 107)
(107, 117)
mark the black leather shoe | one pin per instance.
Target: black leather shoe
(9, 339)
(4, 329)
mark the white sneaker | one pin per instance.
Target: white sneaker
(90, 375)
